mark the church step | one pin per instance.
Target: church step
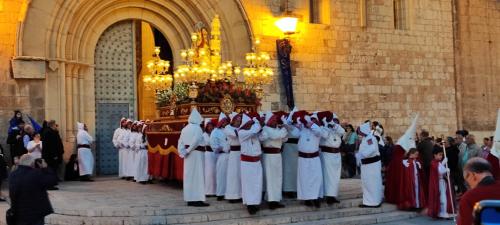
(286, 215)
(362, 219)
(215, 206)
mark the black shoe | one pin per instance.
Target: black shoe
(129, 178)
(308, 202)
(53, 188)
(86, 178)
(317, 203)
(150, 182)
(220, 198)
(331, 200)
(210, 196)
(198, 204)
(2, 200)
(235, 201)
(369, 206)
(275, 205)
(252, 209)
(143, 182)
(123, 178)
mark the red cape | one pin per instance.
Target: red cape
(407, 199)
(433, 202)
(394, 175)
(495, 166)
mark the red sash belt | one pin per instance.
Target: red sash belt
(208, 149)
(83, 146)
(235, 148)
(247, 158)
(199, 148)
(308, 155)
(271, 150)
(370, 160)
(329, 149)
(292, 141)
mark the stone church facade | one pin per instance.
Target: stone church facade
(364, 59)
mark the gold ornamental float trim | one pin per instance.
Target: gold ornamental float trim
(159, 149)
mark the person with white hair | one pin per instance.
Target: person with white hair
(85, 157)
(189, 147)
(371, 167)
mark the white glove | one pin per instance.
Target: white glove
(405, 163)
(324, 121)
(255, 120)
(299, 123)
(447, 170)
(445, 160)
(283, 119)
(307, 118)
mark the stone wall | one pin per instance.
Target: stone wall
(373, 72)
(478, 62)
(25, 94)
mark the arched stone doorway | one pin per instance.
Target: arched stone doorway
(63, 35)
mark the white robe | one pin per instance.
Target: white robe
(233, 180)
(290, 159)
(251, 172)
(273, 169)
(85, 157)
(141, 160)
(210, 163)
(310, 174)
(118, 145)
(133, 152)
(36, 153)
(220, 146)
(371, 174)
(194, 188)
(127, 152)
(443, 199)
(332, 162)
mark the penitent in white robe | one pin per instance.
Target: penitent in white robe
(141, 159)
(233, 180)
(194, 177)
(273, 170)
(443, 199)
(220, 146)
(127, 152)
(251, 172)
(331, 162)
(310, 173)
(133, 154)
(371, 174)
(290, 159)
(117, 144)
(210, 164)
(85, 157)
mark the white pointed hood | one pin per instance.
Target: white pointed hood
(407, 141)
(80, 126)
(365, 128)
(315, 115)
(222, 116)
(207, 120)
(244, 120)
(495, 150)
(232, 115)
(195, 117)
(269, 114)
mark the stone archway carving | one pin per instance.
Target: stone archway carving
(64, 34)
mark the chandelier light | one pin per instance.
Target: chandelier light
(158, 79)
(257, 71)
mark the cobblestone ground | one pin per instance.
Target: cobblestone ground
(110, 196)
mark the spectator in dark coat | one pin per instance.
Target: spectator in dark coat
(452, 155)
(28, 191)
(3, 171)
(53, 148)
(15, 141)
(425, 147)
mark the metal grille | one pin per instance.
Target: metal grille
(114, 89)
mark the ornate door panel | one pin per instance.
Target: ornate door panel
(115, 88)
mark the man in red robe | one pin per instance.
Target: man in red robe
(394, 174)
(477, 174)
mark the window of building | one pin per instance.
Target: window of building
(314, 11)
(401, 14)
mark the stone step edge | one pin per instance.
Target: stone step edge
(58, 219)
(293, 216)
(363, 219)
(185, 210)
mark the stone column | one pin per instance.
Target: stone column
(70, 135)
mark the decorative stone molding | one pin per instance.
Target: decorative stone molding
(29, 68)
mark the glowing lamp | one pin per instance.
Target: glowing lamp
(287, 25)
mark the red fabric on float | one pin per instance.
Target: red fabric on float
(164, 160)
